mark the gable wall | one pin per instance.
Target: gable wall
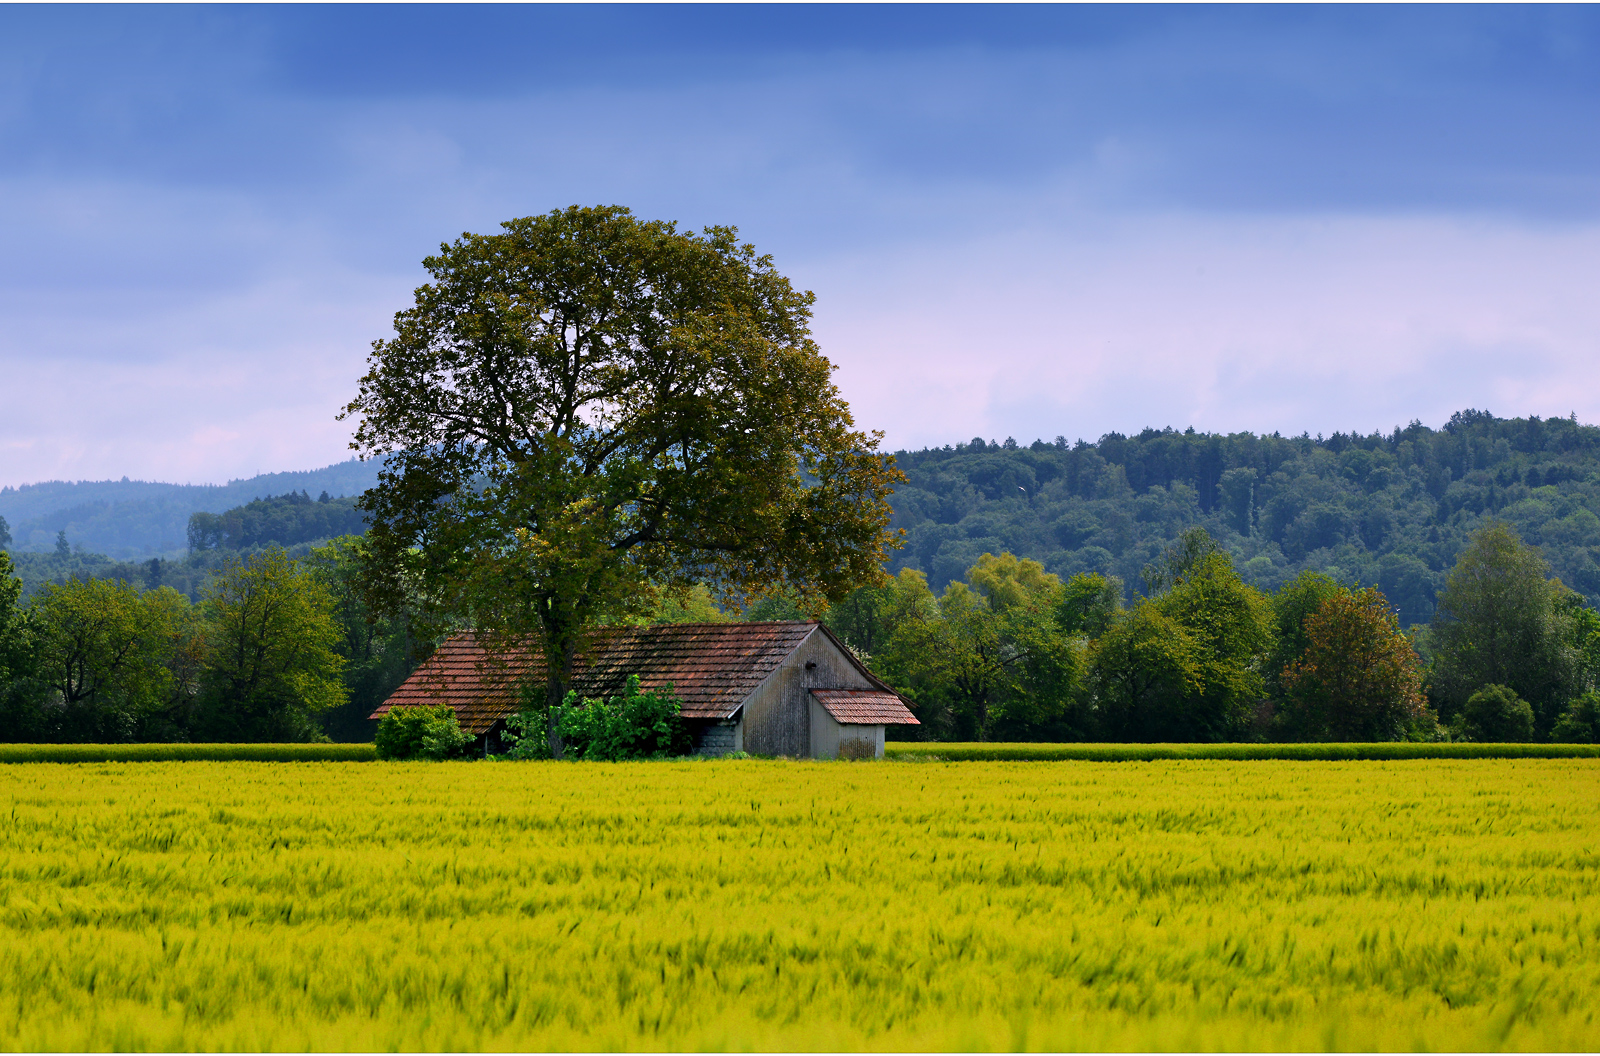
(777, 716)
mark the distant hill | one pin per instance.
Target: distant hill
(281, 520)
(1386, 510)
(133, 519)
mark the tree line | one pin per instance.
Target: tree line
(281, 520)
(1013, 652)
(276, 649)
(281, 649)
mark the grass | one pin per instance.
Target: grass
(161, 753)
(1438, 904)
(1119, 753)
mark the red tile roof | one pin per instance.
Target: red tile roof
(712, 667)
(865, 707)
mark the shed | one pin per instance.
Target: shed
(783, 688)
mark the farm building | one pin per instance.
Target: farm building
(788, 688)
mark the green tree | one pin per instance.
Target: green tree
(1236, 489)
(1357, 679)
(1495, 714)
(1089, 604)
(694, 605)
(990, 655)
(1189, 555)
(1140, 669)
(379, 649)
(102, 650)
(1500, 621)
(5, 534)
(868, 618)
(587, 409)
(1230, 625)
(13, 624)
(272, 660)
(1292, 605)
(21, 713)
(1580, 722)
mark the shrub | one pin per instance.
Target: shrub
(420, 733)
(636, 725)
(527, 733)
(1496, 714)
(1580, 723)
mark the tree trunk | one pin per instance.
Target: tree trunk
(561, 653)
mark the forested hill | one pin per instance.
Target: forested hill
(1390, 511)
(132, 519)
(283, 520)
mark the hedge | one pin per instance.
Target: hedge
(1114, 753)
(165, 753)
(905, 751)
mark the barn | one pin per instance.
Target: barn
(783, 688)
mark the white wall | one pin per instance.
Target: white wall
(827, 733)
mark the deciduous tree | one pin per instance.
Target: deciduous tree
(379, 649)
(1357, 679)
(991, 654)
(1495, 713)
(1089, 604)
(272, 661)
(1230, 626)
(1500, 622)
(102, 651)
(586, 408)
(1140, 671)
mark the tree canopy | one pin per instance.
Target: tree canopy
(587, 409)
(1501, 621)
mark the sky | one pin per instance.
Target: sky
(1023, 222)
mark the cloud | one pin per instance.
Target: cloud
(1016, 225)
(1220, 322)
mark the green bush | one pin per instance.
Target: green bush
(1495, 713)
(1580, 723)
(177, 753)
(635, 725)
(1129, 753)
(527, 734)
(420, 732)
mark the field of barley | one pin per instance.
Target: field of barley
(1171, 904)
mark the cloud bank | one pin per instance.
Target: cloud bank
(1018, 223)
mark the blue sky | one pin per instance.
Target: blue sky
(1019, 222)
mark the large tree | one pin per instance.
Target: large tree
(1502, 621)
(103, 651)
(586, 409)
(990, 654)
(272, 663)
(1357, 677)
(1141, 670)
(1230, 626)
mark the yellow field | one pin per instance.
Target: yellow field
(759, 904)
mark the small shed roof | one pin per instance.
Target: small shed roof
(712, 667)
(865, 707)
